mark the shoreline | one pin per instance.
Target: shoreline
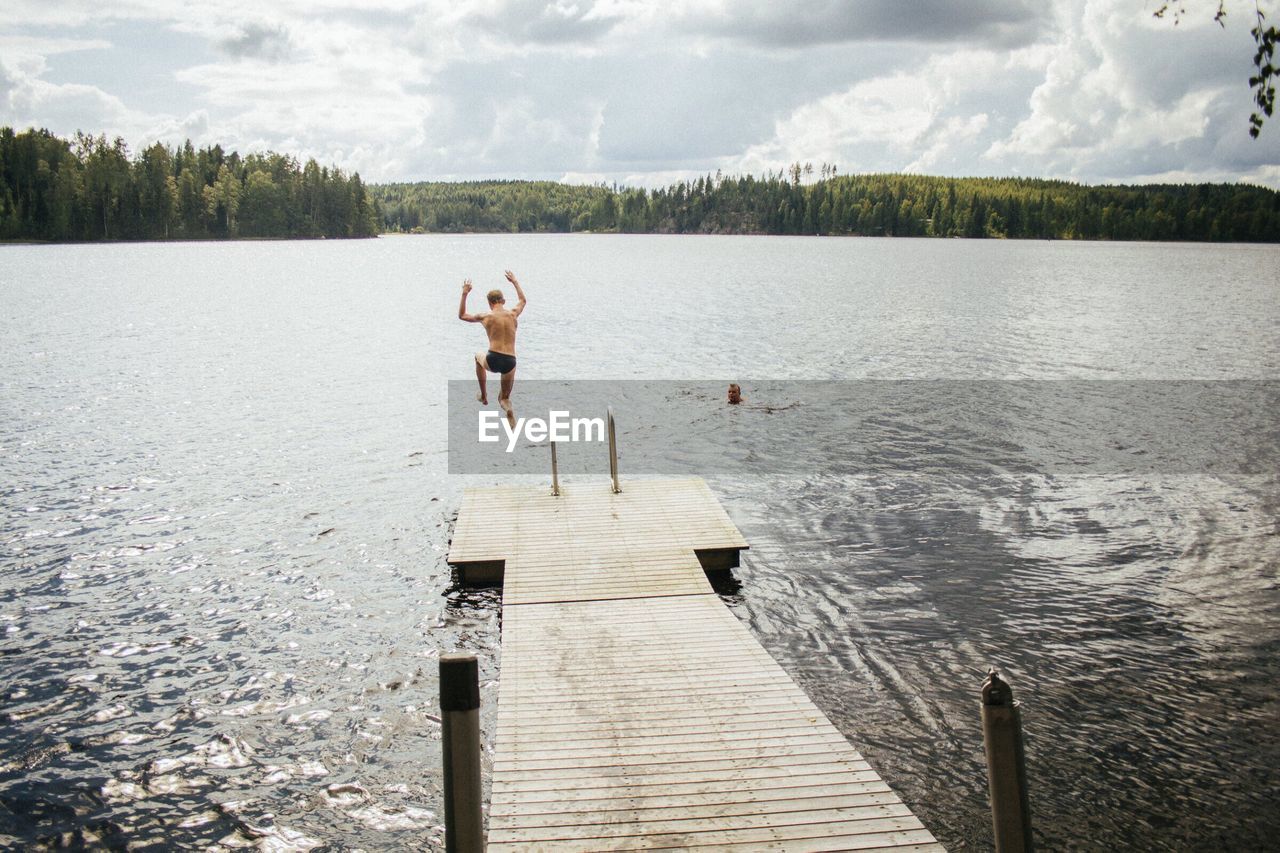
(762, 234)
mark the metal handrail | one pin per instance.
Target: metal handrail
(555, 472)
(613, 453)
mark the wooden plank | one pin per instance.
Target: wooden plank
(619, 685)
(636, 774)
(660, 800)
(863, 843)
(730, 725)
(668, 763)
(873, 818)
(885, 828)
(604, 680)
(753, 670)
(683, 744)
(770, 689)
(772, 693)
(689, 751)
(654, 661)
(684, 810)
(597, 787)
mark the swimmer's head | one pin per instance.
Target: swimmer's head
(495, 296)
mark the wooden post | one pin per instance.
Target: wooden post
(460, 724)
(1006, 766)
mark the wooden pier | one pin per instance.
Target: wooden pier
(634, 710)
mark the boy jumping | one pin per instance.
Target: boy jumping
(500, 324)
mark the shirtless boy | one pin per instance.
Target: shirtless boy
(500, 323)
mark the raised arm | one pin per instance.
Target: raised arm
(511, 277)
(462, 305)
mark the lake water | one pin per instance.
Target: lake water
(226, 502)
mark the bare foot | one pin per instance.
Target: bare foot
(505, 405)
(483, 398)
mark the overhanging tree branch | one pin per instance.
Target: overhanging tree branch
(1264, 37)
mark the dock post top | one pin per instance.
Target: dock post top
(459, 682)
(996, 691)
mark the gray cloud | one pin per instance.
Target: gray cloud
(658, 110)
(539, 22)
(692, 109)
(803, 23)
(258, 41)
(495, 115)
(1124, 100)
(1164, 64)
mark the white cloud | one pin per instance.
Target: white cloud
(942, 140)
(78, 13)
(646, 180)
(901, 122)
(891, 111)
(28, 101)
(29, 53)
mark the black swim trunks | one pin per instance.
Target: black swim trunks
(500, 362)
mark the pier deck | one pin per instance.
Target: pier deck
(634, 710)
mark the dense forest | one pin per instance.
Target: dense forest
(91, 189)
(793, 202)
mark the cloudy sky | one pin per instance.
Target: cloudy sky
(644, 91)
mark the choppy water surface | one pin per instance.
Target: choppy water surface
(225, 509)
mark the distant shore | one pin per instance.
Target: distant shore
(889, 205)
(91, 189)
(161, 240)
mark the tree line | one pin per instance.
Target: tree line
(90, 188)
(792, 201)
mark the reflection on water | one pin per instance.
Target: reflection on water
(225, 509)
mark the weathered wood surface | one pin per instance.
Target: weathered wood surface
(634, 710)
(589, 543)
